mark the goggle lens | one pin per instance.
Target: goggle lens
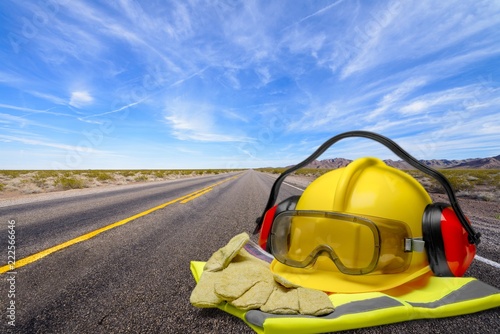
(357, 245)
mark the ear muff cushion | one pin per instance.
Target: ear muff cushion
(288, 204)
(433, 237)
(458, 249)
(265, 229)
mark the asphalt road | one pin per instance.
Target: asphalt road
(135, 278)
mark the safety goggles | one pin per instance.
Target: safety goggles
(356, 244)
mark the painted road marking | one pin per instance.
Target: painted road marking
(487, 261)
(291, 185)
(204, 190)
(195, 196)
(87, 236)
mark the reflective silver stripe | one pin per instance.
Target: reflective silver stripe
(257, 317)
(472, 290)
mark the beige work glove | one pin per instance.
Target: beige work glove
(233, 275)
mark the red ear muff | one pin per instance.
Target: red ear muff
(266, 227)
(448, 248)
(286, 205)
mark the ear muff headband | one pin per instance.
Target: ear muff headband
(473, 236)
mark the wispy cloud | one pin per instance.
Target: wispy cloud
(318, 117)
(320, 11)
(196, 121)
(396, 96)
(36, 142)
(10, 79)
(49, 97)
(31, 110)
(471, 96)
(80, 99)
(130, 105)
(394, 36)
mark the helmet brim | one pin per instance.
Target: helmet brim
(337, 282)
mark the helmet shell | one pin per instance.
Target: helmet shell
(365, 187)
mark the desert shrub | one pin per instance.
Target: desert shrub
(70, 182)
(271, 170)
(479, 195)
(465, 179)
(127, 173)
(141, 178)
(39, 181)
(160, 174)
(41, 177)
(104, 176)
(496, 180)
(460, 182)
(12, 174)
(481, 176)
(460, 179)
(2, 186)
(45, 174)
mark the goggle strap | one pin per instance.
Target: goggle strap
(414, 245)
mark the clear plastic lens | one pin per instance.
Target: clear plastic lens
(357, 245)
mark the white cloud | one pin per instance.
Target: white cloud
(48, 97)
(31, 110)
(398, 39)
(320, 11)
(363, 44)
(264, 75)
(80, 99)
(10, 79)
(469, 97)
(36, 142)
(26, 122)
(197, 121)
(425, 102)
(322, 118)
(113, 111)
(303, 41)
(395, 96)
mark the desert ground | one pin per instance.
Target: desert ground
(18, 183)
(478, 191)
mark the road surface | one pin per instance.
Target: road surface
(118, 261)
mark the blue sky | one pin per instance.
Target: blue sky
(233, 84)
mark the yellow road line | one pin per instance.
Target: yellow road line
(48, 251)
(205, 190)
(195, 196)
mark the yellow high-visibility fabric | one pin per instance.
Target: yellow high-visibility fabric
(428, 297)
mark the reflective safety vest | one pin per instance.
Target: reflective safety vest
(428, 297)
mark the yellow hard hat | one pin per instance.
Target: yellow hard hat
(354, 229)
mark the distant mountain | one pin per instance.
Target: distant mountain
(476, 163)
(329, 163)
(482, 163)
